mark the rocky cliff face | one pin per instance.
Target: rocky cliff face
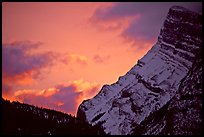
(184, 115)
(140, 100)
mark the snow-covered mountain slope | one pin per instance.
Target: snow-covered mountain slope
(149, 86)
(184, 115)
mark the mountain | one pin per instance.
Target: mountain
(24, 119)
(186, 106)
(183, 113)
(157, 95)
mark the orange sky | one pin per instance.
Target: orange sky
(89, 54)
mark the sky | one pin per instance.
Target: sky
(56, 55)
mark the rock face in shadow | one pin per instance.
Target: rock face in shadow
(184, 115)
(150, 98)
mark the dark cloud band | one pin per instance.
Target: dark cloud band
(151, 16)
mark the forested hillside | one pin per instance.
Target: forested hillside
(24, 119)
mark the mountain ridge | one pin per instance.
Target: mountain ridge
(149, 85)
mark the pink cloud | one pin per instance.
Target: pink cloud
(101, 59)
(74, 59)
(145, 19)
(20, 66)
(17, 60)
(63, 97)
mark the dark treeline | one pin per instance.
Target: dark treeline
(24, 119)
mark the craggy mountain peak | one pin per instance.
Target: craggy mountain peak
(139, 101)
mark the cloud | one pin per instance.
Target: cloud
(17, 60)
(78, 58)
(7, 90)
(100, 59)
(63, 97)
(89, 89)
(106, 18)
(146, 18)
(22, 67)
(74, 59)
